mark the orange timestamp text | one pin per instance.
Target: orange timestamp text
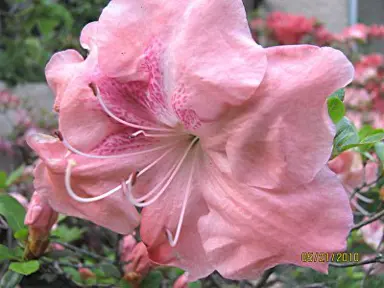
(324, 257)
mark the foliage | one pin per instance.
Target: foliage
(85, 255)
(32, 31)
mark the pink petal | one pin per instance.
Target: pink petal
(59, 71)
(93, 177)
(285, 134)
(249, 230)
(214, 60)
(164, 214)
(151, 41)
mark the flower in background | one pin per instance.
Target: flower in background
(289, 29)
(181, 281)
(354, 174)
(373, 233)
(376, 31)
(8, 100)
(358, 32)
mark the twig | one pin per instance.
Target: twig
(377, 259)
(82, 251)
(370, 220)
(264, 278)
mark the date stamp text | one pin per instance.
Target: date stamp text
(324, 257)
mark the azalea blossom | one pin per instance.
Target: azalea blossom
(223, 144)
(356, 32)
(288, 28)
(40, 219)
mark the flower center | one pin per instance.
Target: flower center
(127, 185)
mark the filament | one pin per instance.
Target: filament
(96, 91)
(73, 195)
(78, 152)
(173, 240)
(174, 170)
(363, 198)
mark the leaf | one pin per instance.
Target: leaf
(196, 284)
(13, 212)
(372, 139)
(15, 175)
(46, 26)
(153, 280)
(11, 254)
(25, 268)
(336, 109)
(346, 135)
(110, 270)
(10, 279)
(379, 149)
(3, 179)
(339, 94)
(21, 234)
(66, 234)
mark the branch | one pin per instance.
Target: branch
(370, 220)
(377, 259)
(264, 278)
(83, 251)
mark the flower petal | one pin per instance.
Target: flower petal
(164, 214)
(93, 177)
(59, 71)
(285, 134)
(249, 230)
(223, 66)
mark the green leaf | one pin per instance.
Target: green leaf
(336, 109)
(196, 284)
(372, 139)
(339, 94)
(25, 268)
(346, 135)
(379, 149)
(110, 270)
(11, 254)
(46, 26)
(153, 280)
(15, 175)
(3, 179)
(10, 279)
(13, 212)
(21, 234)
(66, 234)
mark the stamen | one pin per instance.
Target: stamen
(173, 240)
(109, 112)
(174, 171)
(363, 198)
(137, 133)
(76, 151)
(132, 179)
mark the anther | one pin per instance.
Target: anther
(58, 134)
(94, 88)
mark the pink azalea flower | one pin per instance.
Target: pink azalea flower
(223, 144)
(40, 216)
(356, 32)
(181, 281)
(288, 28)
(357, 97)
(373, 233)
(376, 31)
(353, 174)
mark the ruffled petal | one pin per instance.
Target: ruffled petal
(164, 214)
(249, 230)
(284, 135)
(93, 177)
(214, 61)
(59, 72)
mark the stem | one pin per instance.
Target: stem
(370, 220)
(83, 251)
(377, 259)
(264, 278)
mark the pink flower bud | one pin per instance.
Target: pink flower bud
(181, 282)
(40, 216)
